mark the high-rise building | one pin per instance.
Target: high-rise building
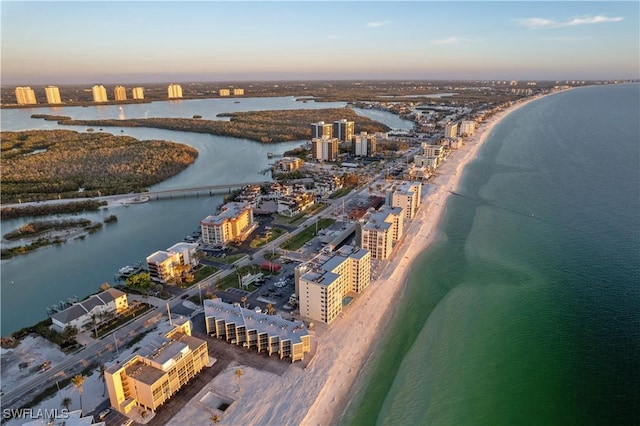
(224, 92)
(381, 231)
(363, 145)
(137, 92)
(321, 130)
(238, 92)
(343, 130)
(407, 196)
(325, 149)
(174, 91)
(53, 95)
(25, 96)
(120, 93)
(451, 130)
(99, 93)
(233, 223)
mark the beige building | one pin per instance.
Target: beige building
(325, 149)
(407, 196)
(381, 231)
(289, 164)
(451, 130)
(137, 93)
(233, 223)
(321, 130)
(343, 130)
(467, 127)
(238, 92)
(82, 314)
(363, 145)
(224, 92)
(120, 93)
(426, 161)
(53, 95)
(257, 331)
(164, 266)
(174, 91)
(99, 93)
(25, 96)
(156, 371)
(324, 283)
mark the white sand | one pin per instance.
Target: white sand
(318, 395)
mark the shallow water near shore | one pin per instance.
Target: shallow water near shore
(526, 310)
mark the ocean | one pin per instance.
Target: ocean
(526, 310)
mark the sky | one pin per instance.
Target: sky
(109, 42)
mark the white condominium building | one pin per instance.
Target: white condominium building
(53, 95)
(120, 93)
(25, 96)
(233, 223)
(425, 161)
(325, 148)
(99, 93)
(258, 331)
(325, 282)
(238, 92)
(363, 145)
(343, 130)
(321, 130)
(407, 196)
(165, 266)
(137, 93)
(451, 130)
(174, 91)
(224, 92)
(381, 231)
(467, 127)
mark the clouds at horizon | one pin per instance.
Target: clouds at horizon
(543, 23)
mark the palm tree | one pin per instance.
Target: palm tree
(239, 374)
(270, 309)
(244, 301)
(215, 419)
(103, 368)
(77, 381)
(66, 403)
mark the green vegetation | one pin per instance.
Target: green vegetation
(298, 240)
(341, 192)
(35, 228)
(140, 282)
(203, 273)
(260, 126)
(270, 236)
(48, 164)
(51, 209)
(66, 340)
(123, 318)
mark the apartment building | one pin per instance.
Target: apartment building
(53, 95)
(451, 130)
(324, 283)
(99, 93)
(238, 92)
(120, 93)
(343, 130)
(381, 231)
(407, 196)
(291, 205)
(224, 92)
(426, 161)
(270, 334)
(467, 127)
(321, 130)
(363, 145)
(233, 223)
(289, 164)
(156, 371)
(137, 93)
(325, 148)
(174, 91)
(81, 314)
(25, 96)
(165, 265)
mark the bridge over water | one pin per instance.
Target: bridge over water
(196, 191)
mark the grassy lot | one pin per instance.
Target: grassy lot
(316, 208)
(290, 221)
(259, 242)
(121, 319)
(307, 234)
(341, 192)
(203, 273)
(229, 259)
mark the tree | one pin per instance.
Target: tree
(215, 419)
(239, 374)
(77, 381)
(66, 403)
(244, 301)
(140, 282)
(105, 286)
(270, 309)
(103, 368)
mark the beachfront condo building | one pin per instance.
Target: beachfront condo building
(430, 150)
(381, 231)
(330, 280)
(289, 164)
(343, 130)
(99, 93)
(120, 93)
(321, 130)
(363, 145)
(451, 130)
(174, 91)
(426, 161)
(224, 92)
(157, 370)
(233, 223)
(238, 92)
(137, 93)
(174, 264)
(270, 334)
(407, 196)
(53, 95)
(82, 314)
(325, 148)
(25, 96)
(467, 127)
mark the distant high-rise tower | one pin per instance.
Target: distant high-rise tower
(320, 130)
(174, 91)
(363, 145)
(238, 92)
(53, 95)
(451, 130)
(99, 93)
(137, 92)
(325, 149)
(120, 93)
(343, 130)
(25, 96)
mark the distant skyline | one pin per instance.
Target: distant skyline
(149, 42)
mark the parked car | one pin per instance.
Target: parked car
(104, 413)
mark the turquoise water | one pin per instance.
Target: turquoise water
(527, 309)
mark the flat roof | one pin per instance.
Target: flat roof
(228, 211)
(144, 373)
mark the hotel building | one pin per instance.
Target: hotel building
(120, 93)
(451, 130)
(25, 96)
(99, 93)
(80, 314)
(425, 161)
(467, 127)
(343, 130)
(381, 231)
(321, 130)
(238, 92)
(325, 148)
(261, 332)
(53, 95)
(233, 223)
(165, 265)
(224, 92)
(174, 91)
(137, 93)
(323, 283)
(363, 145)
(407, 196)
(156, 371)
